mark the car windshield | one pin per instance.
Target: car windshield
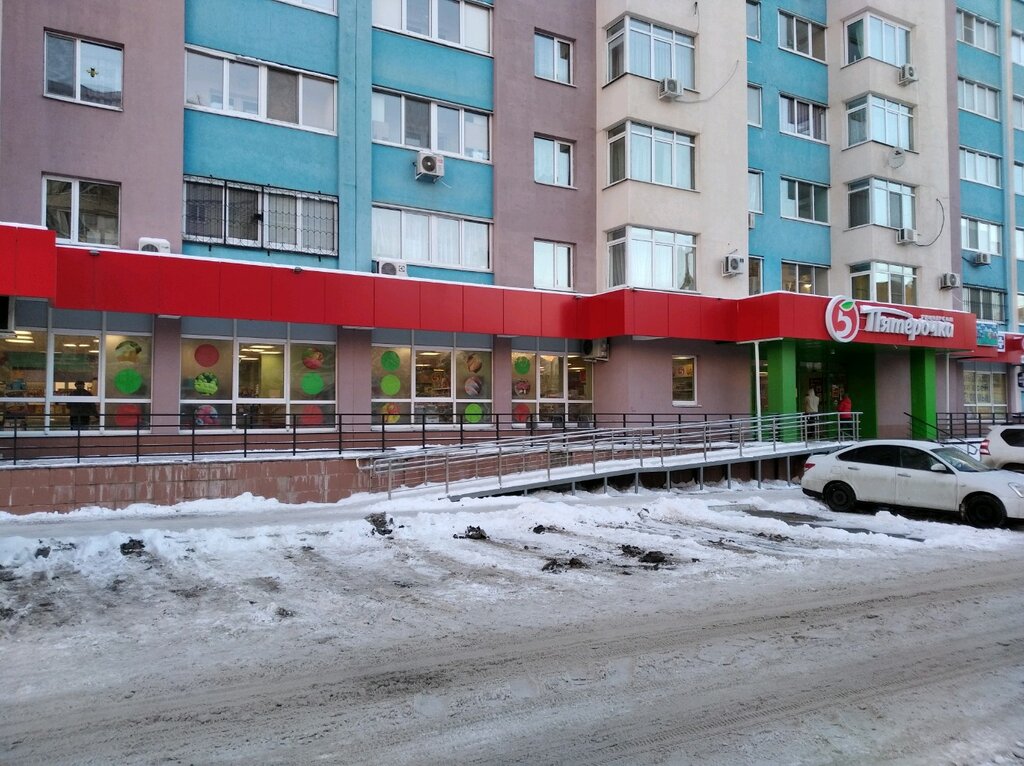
(960, 460)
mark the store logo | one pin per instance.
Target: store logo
(842, 320)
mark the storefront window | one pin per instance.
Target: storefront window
(985, 391)
(23, 380)
(684, 380)
(551, 388)
(313, 384)
(128, 380)
(207, 382)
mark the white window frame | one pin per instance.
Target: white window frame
(76, 184)
(679, 142)
(77, 98)
(752, 92)
(788, 26)
(685, 402)
(556, 147)
(888, 48)
(1018, 178)
(817, 118)
(815, 273)
(433, 35)
(755, 275)
(881, 114)
(800, 186)
(901, 281)
(621, 34)
(1017, 106)
(754, 6)
(622, 240)
(433, 259)
(1017, 47)
(977, 31)
(980, 168)
(434, 106)
(882, 189)
(558, 279)
(315, 5)
(977, 236)
(265, 235)
(556, 42)
(755, 191)
(970, 94)
(264, 68)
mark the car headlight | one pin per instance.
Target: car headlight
(1017, 488)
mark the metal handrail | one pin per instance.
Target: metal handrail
(920, 428)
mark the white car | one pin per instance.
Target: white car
(914, 474)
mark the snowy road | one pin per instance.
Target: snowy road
(775, 632)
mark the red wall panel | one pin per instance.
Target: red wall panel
(396, 303)
(348, 299)
(440, 307)
(297, 296)
(483, 310)
(187, 287)
(246, 292)
(522, 313)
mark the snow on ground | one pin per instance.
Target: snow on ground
(148, 602)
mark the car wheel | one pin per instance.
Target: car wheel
(984, 511)
(839, 497)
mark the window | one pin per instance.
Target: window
(1018, 243)
(650, 51)
(801, 118)
(1018, 178)
(421, 124)
(684, 380)
(882, 203)
(804, 278)
(83, 71)
(984, 389)
(804, 201)
(455, 22)
(755, 282)
(977, 98)
(801, 36)
(88, 212)
(552, 58)
(872, 37)
(259, 216)
(552, 265)
(551, 386)
(663, 260)
(884, 282)
(754, 105)
(650, 154)
(989, 305)
(241, 88)
(1020, 317)
(1017, 48)
(755, 194)
(979, 168)
(431, 240)
(327, 6)
(871, 118)
(981, 236)
(552, 161)
(976, 31)
(753, 20)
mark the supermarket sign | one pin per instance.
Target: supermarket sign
(846, 318)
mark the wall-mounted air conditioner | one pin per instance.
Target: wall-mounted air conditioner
(982, 259)
(392, 268)
(949, 280)
(429, 166)
(670, 89)
(596, 350)
(732, 265)
(154, 245)
(908, 74)
(906, 237)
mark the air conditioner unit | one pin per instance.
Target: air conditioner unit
(732, 265)
(908, 74)
(751, 220)
(6, 315)
(906, 237)
(154, 245)
(429, 166)
(390, 268)
(949, 280)
(596, 350)
(670, 88)
(982, 259)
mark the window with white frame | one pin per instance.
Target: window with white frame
(455, 22)
(884, 282)
(755, 268)
(976, 31)
(1017, 107)
(802, 118)
(753, 20)
(755, 193)
(981, 236)
(421, 124)
(754, 105)
(430, 239)
(979, 168)
(648, 50)
(872, 118)
(224, 83)
(874, 37)
(247, 215)
(552, 265)
(552, 58)
(882, 203)
(1020, 310)
(88, 212)
(1017, 47)
(663, 260)
(551, 384)
(1018, 243)
(327, 6)
(986, 304)
(684, 380)
(83, 71)
(801, 36)
(977, 98)
(552, 161)
(985, 389)
(1018, 178)
(804, 201)
(645, 153)
(804, 278)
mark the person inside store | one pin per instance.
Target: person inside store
(845, 410)
(82, 413)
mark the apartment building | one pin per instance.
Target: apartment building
(280, 213)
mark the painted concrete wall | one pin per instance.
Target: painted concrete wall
(138, 147)
(529, 106)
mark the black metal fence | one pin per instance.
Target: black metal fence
(972, 425)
